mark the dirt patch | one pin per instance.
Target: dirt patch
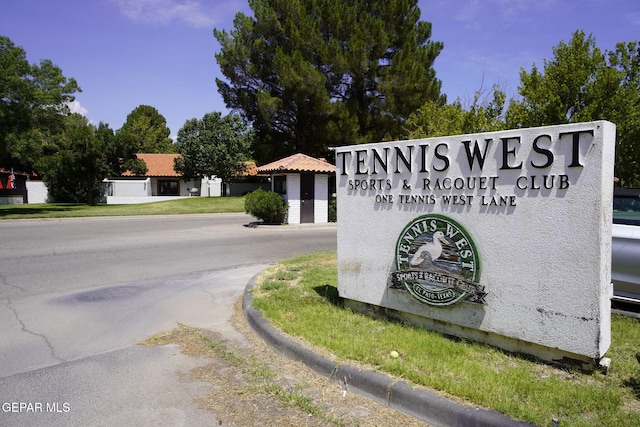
(251, 385)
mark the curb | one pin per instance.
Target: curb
(396, 394)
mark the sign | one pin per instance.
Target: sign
(504, 236)
(437, 262)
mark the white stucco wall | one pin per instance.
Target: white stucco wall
(37, 192)
(128, 191)
(544, 254)
(211, 187)
(132, 191)
(129, 187)
(321, 203)
(293, 198)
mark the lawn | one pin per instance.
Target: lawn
(300, 297)
(192, 205)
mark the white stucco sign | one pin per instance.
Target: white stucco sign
(501, 237)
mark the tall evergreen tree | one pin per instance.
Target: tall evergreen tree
(146, 129)
(310, 74)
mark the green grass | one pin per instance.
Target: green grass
(192, 205)
(300, 297)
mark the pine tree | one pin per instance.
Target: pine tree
(311, 74)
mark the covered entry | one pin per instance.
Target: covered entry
(307, 195)
(303, 181)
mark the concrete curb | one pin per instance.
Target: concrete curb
(398, 395)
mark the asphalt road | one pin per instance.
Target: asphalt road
(77, 295)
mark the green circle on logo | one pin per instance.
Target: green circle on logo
(437, 262)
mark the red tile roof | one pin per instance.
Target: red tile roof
(157, 165)
(250, 169)
(162, 165)
(298, 163)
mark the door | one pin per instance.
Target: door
(307, 194)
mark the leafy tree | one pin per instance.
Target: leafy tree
(80, 158)
(313, 74)
(432, 120)
(626, 60)
(214, 145)
(33, 105)
(119, 153)
(146, 129)
(581, 83)
(74, 171)
(562, 92)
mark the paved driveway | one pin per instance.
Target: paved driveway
(76, 295)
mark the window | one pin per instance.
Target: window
(280, 184)
(626, 206)
(168, 188)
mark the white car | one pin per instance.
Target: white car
(625, 251)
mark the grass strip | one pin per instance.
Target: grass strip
(191, 205)
(300, 297)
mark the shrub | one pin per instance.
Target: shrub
(333, 208)
(265, 205)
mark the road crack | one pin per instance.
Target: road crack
(26, 330)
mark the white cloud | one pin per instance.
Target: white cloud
(75, 107)
(195, 13)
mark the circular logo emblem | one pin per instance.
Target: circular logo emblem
(437, 262)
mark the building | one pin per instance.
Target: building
(306, 184)
(161, 182)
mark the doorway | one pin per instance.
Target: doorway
(307, 196)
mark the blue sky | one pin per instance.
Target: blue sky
(125, 53)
